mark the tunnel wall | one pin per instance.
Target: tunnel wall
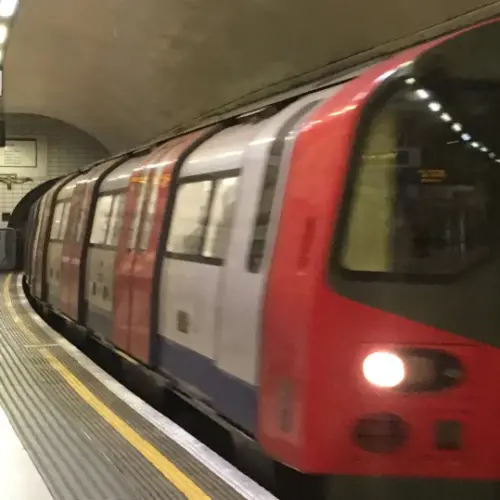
(61, 149)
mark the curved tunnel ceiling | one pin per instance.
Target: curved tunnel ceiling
(126, 71)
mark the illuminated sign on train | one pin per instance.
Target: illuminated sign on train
(163, 180)
(432, 175)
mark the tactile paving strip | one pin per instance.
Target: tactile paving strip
(79, 455)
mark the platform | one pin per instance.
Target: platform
(71, 432)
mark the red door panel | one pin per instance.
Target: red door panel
(68, 304)
(147, 249)
(37, 241)
(125, 254)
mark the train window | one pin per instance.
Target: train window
(426, 195)
(56, 221)
(79, 224)
(70, 232)
(142, 182)
(116, 222)
(220, 219)
(102, 217)
(64, 220)
(149, 214)
(189, 218)
(61, 224)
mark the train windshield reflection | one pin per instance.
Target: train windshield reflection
(426, 195)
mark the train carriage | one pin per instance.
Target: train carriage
(322, 273)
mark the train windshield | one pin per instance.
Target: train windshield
(425, 199)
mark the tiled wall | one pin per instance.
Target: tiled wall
(61, 149)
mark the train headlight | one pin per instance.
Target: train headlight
(413, 369)
(384, 369)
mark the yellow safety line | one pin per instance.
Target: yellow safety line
(155, 457)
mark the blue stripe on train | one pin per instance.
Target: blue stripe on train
(234, 399)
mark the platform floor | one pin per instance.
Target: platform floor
(71, 432)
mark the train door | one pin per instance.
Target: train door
(36, 254)
(77, 201)
(45, 222)
(54, 251)
(29, 240)
(147, 246)
(76, 242)
(135, 198)
(105, 242)
(194, 262)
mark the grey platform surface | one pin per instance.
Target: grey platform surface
(19, 477)
(77, 452)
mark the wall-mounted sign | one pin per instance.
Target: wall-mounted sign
(20, 153)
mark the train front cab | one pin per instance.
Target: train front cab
(382, 318)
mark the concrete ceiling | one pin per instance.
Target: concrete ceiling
(126, 71)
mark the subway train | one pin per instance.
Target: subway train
(320, 272)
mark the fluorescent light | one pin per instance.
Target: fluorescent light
(422, 93)
(492, 155)
(434, 106)
(466, 137)
(8, 8)
(475, 144)
(446, 117)
(457, 127)
(484, 149)
(410, 81)
(3, 33)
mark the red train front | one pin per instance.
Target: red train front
(382, 318)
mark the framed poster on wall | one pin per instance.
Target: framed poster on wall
(19, 153)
